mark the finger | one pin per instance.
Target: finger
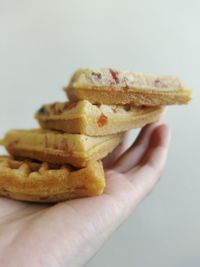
(160, 139)
(118, 151)
(149, 128)
(152, 164)
(136, 151)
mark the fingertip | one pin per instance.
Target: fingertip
(165, 132)
(112, 158)
(161, 136)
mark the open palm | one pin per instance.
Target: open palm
(69, 233)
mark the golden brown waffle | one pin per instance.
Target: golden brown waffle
(109, 86)
(43, 182)
(95, 120)
(59, 148)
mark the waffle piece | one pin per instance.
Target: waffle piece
(86, 118)
(43, 182)
(59, 148)
(109, 86)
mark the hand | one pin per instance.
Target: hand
(69, 233)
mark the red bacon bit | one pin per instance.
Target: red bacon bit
(114, 75)
(157, 81)
(97, 75)
(160, 83)
(102, 120)
(56, 109)
(70, 105)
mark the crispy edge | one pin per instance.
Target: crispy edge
(108, 96)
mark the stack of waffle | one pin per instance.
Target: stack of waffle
(62, 159)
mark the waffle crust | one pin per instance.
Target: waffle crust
(82, 117)
(59, 148)
(43, 182)
(110, 86)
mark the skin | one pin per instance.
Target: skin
(71, 232)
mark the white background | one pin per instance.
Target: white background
(43, 41)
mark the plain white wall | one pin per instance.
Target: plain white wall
(43, 41)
